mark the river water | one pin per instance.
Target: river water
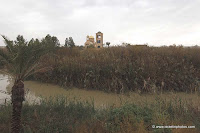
(4, 85)
(35, 90)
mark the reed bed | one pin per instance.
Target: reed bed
(120, 69)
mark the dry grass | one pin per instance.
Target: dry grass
(122, 69)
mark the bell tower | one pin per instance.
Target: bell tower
(99, 40)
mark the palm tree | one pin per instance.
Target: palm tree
(21, 60)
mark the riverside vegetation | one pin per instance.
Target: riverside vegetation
(64, 115)
(123, 69)
(143, 69)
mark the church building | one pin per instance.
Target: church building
(90, 42)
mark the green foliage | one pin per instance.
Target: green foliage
(128, 112)
(62, 115)
(21, 58)
(108, 44)
(50, 41)
(69, 42)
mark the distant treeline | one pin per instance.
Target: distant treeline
(48, 41)
(121, 69)
(48, 44)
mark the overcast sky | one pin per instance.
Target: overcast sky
(156, 22)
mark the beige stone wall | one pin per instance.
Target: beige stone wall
(99, 40)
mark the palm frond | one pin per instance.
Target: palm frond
(22, 60)
(4, 55)
(9, 44)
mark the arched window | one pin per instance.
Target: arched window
(98, 36)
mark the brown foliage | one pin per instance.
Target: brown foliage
(119, 69)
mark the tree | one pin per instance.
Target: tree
(69, 42)
(55, 41)
(108, 43)
(66, 42)
(31, 42)
(21, 60)
(50, 42)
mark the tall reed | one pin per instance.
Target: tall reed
(120, 69)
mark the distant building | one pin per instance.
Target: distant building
(91, 43)
(136, 45)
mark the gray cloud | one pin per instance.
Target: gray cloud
(136, 21)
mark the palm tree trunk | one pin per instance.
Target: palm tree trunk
(17, 100)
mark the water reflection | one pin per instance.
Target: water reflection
(35, 90)
(4, 88)
(6, 84)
